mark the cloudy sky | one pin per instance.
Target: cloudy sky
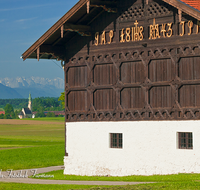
(22, 22)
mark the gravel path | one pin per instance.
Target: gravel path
(20, 176)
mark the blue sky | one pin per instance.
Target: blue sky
(22, 22)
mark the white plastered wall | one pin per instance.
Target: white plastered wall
(149, 147)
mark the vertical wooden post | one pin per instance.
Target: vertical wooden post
(62, 31)
(88, 6)
(38, 53)
(180, 15)
(147, 2)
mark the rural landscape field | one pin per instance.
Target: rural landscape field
(36, 143)
(27, 144)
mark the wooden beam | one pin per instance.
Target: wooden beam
(147, 2)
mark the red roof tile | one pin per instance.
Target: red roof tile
(193, 3)
(2, 112)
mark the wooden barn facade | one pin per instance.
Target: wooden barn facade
(132, 86)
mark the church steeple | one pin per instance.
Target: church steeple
(29, 102)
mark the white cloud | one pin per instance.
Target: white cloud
(25, 19)
(25, 7)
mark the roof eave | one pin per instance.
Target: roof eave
(53, 29)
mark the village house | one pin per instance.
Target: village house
(132, 85)
(27, 112)
(2, 112)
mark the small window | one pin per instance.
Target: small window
(185, 140)
(116, 140)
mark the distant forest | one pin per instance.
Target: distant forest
(38, 104)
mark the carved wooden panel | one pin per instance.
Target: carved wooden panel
(104, 74)
(132, 72)
(132, 98)
(161, 97)
(161, 70)
(189, 95)
(189, 68)
(104, 99)
(77, 101)
(77, 76)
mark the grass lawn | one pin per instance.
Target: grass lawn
(18, 186)
(24, 146)
(169, 182)
(58, 175)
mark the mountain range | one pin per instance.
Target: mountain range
(20, 87)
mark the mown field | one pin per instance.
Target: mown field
(28, 144)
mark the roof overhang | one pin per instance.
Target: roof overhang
(78, 20)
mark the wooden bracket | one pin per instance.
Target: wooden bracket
(38, 53)
(62, 31)
(179, 15)
(83, 30)
(88, 6)
(106, 5)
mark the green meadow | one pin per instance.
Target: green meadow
(24, 146)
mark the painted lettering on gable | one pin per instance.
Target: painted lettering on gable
(136, 32)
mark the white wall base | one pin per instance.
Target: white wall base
(149, 147)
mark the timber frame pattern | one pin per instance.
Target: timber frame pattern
(167, 92)
(112, 76)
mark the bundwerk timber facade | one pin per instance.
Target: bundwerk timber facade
(132, 86)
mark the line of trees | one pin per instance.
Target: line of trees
(13, 107)
(47, 104)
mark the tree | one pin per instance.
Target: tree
(15, 114)
(40, 112)
(1, 116)
(51, 114)
(62, 99)
(8, 109)
(7, 116)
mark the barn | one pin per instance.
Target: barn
(132, 85)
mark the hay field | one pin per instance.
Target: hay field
(28, 144)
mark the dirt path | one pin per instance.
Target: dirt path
(28, 122)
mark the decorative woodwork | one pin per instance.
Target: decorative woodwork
(145, 66)
(163, 83)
